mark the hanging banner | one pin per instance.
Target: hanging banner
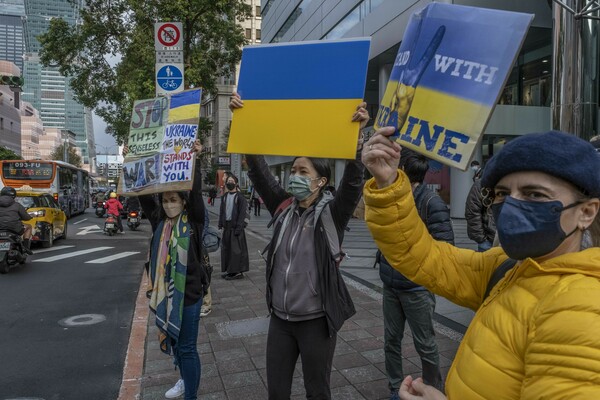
(160, 142)
(299, 98)
(447, 78)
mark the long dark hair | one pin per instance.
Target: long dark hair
(159, 213)
(322, 167)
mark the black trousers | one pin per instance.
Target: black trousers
(309, 339)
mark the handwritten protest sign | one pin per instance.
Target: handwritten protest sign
(161, 138)
(299, 98)
(447, 77)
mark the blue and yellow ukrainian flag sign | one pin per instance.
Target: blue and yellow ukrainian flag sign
(299, 98)
(447, 77)
(185, 106)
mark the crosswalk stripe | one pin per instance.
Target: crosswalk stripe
(74, 254)
(51, 249)
(113, 257)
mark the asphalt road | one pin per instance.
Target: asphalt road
(65, 316)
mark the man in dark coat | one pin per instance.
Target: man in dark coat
(232, 219)
(480, 223)
(405, 301)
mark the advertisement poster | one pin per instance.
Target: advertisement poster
(160, 142)
(299, 98)
(447, 77)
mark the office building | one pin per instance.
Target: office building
(12, 40)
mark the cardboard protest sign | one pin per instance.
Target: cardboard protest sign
(162, 135)
(299, 98)
(447, 77)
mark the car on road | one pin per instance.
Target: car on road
(48, 221)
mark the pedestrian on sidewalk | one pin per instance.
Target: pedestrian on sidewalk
(180, 280)
(535, 331)
(232, 215)
(306, 294)
(405, 301)
(480, 222)
(255, 197)
(212, 195)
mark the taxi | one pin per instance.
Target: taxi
(48, 221)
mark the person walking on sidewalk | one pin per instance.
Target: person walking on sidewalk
(405, 301)
(535, 330)
(180, 280)
(480, 222)
(234, 248)
(306, 295)
(255, 197)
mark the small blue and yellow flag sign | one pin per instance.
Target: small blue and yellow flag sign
(447, 77)
(160, 142)
(299, 98)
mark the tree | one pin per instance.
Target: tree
(59, 155)
(6, 154)
(125, 28)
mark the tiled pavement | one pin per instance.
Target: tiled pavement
(232, 339)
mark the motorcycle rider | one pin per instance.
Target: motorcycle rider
(114, 207)
(11, 215)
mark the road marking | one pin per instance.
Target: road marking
(112, 258)
(82, 320)
(74, 254)
(78, 222)
(51, 249)
(89, 229)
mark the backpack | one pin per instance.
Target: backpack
(333, 239)
(211, 239)
(498, 274)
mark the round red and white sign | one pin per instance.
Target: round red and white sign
(168, 35)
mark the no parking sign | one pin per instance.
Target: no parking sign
(168, 36)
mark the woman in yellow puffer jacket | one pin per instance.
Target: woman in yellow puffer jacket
(537, 335)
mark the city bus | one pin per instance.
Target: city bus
(69, 185)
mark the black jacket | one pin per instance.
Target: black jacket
(436, 216)
(337, 303)
(480, 223)
(238, 217)
(11, 214)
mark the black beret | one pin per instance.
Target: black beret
(556, 153)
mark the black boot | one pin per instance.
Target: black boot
(27, 246)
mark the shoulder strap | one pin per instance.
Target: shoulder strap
(333, 239)
(279, 210)
(423, 209)
(498, 274)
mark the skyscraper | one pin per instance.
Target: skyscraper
(12, 41)
(45, 87)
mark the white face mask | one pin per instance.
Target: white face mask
(173, 209)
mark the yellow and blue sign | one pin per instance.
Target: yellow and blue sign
(299, 98)
(185, 106)
(449, 72)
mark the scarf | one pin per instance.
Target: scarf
(168, 270)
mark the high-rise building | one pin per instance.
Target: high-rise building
(45, 88)
(12, 40)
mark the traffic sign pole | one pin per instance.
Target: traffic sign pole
(169, 71)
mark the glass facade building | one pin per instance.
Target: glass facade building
(45, 88)
(12, 40)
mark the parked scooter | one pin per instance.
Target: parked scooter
(100, 210)
(133, 220)
(111, 225)
(12, 252)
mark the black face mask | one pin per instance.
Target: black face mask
(529, 228)
(230, 186)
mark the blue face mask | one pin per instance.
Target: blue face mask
(529, 228)
(299, 187)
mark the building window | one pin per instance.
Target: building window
(248, 33)
(258, 35)
(265, 10)
(290, 21)
(257, 12)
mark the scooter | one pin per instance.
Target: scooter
(110, 225)
(100, 210)
(133, 220)
(12, 252)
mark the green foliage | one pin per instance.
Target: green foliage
(211, 176)
(59, 155)
(123, 30)
(6, 154)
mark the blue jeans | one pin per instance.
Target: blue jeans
(484, 246)
(186, 353)
(416, 308)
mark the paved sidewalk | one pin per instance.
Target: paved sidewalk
(232, 339)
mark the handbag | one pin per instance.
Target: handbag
(211, 239)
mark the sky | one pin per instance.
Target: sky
(103, 139)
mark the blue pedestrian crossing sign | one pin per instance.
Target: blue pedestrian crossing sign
(169, 78)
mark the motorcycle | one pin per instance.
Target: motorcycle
(110, 225)
(100, 210)
(12, 252)
(133, 220)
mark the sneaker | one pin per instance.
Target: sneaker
(224, 274)
(231, 277)
(176, 391)
(205, 311)
(394, 395)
